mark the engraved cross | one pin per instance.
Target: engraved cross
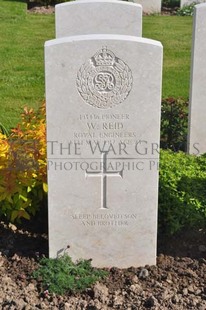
(103, 173)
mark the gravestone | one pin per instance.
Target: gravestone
(150, 6)
(103, 95)
(197, 110)
(98, 17)
(188, 2)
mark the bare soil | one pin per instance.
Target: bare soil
(177, 282)
(42, 9)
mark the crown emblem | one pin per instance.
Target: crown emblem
(105, 80)
(104, 57)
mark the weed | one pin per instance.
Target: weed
(61, 275)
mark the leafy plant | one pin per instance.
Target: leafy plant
(61, 275)
(182, 191)
(187, 10)
(23, 167)
(174, 123)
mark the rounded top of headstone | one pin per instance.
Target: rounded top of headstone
(112, 37)
(77, 2)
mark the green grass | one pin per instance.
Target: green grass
(22, 38)
(175, 33)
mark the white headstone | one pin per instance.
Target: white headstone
(150, 6)
(103, 95)
(188, 2)
(197, 111)
(98, 17)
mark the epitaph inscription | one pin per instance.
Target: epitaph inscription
(110, 220)
(105, 80)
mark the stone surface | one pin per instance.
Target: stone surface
(150, 6)
(103, 95)
(197, 111)
(188, 2)
(98, 17)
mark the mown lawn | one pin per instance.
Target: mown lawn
(175, 33)
(22, 38)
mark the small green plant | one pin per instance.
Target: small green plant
(174, 123)
(61, 275)
(182, 192)
(187, 10)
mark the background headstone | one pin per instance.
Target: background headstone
(150, 6)
(188, 2)
(197, 111)
(98, 17)
(103, 95)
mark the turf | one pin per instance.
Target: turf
(22, 37)
(175, 34)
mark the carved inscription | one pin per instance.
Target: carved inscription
(104, 80)
(105, 219)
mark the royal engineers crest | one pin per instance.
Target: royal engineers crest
(104, 81)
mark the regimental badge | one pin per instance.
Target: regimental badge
(104, 81)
